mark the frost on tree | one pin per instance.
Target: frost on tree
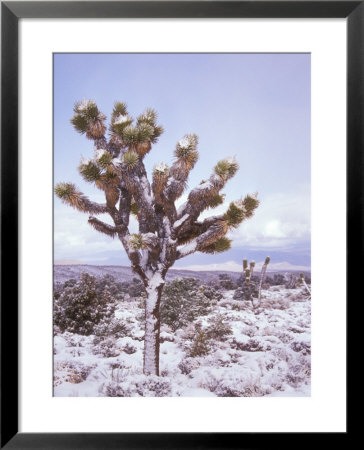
(165, 233)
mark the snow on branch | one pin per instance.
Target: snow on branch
(90, 121)
(186, 155)
(214, 233)
(205, 194)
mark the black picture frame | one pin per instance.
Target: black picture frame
(11, 12)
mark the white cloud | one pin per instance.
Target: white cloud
(75, 238)
(281, 220)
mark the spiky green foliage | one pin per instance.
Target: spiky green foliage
(130, 135)
(145, 132)
(87, 108)
(80, 123)
(120, 109)
(234, 215)
(136, 241)
(88, 119)
(216, 200)
(134, 208)
(250, 203)
(64, 190)
(267, 260)
(148, 117)
(221, 245)
(245, 264)
(89, 171)
(120, 123)
(186, 149)
(104, 160)
(226, 168)
(148, 129)
(158, 130)
(130, 159)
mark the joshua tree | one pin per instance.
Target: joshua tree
(261, 280)
(248, 272)
(165, 233)
(303, 282)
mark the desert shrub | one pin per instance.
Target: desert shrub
(107, 348)
(187, 365)
(200, 345)
(202, 339)
(129, 349)
(226, 282)
(218, 329)
(115, 288)
(71, 372)
(141, 386)
(234, 387)
(136, 288)
(246, 291)
(80, 307)
(114, 389)
(153, 386)
(298, 372)
(251, 345)
(276, 302)
(184, 300)
(112, 327)
(301, 346)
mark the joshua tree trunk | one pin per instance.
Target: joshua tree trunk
(152, 326)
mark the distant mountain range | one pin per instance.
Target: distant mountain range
(64, 271)
(232, 266)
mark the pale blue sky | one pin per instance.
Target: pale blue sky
(253, 106)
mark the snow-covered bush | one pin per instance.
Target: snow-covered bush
(153, 386)
(245, 291)
(218, 329)
(187, 365)
(139, 386)
(80, 307)
(232, 386)
(225, 282)
(202, 339)
(106, 347)
(184, 300)
(114, 389)
(200, 344)
(276, 302)
(129, 349)
(71, 372)
(111, 327)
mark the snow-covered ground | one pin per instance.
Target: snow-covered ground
(267, 352)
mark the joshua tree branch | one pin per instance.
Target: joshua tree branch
(103, 227)
(70, 195)
(209, 237)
